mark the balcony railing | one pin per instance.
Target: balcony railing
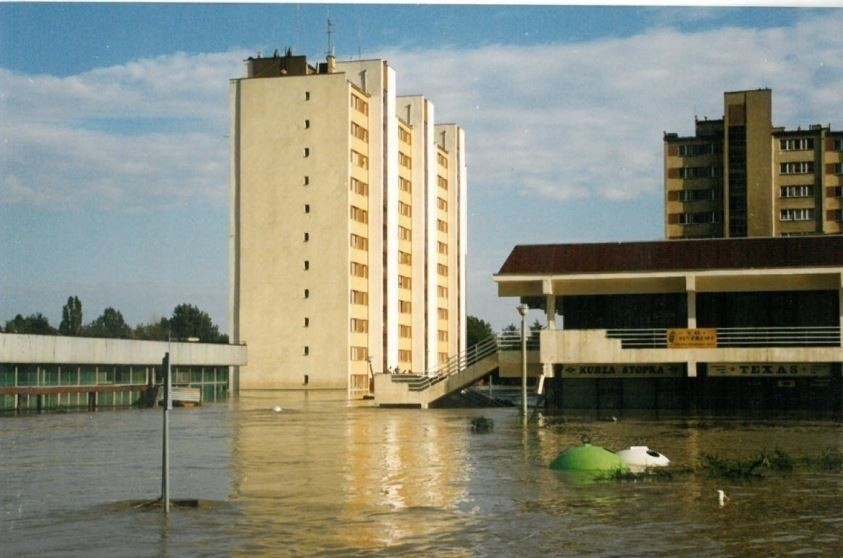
(821, 336)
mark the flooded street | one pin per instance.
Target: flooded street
(325, 477)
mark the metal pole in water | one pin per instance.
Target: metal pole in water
(522, 309)
(165, 451)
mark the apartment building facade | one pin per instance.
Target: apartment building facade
(348, 226)
(739, 176)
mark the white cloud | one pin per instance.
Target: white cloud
(146, 134)
(559, 121)
(567, 120)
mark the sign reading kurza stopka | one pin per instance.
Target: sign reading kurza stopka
(624, 371)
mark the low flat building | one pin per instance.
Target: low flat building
(43, 372)
(713, 323)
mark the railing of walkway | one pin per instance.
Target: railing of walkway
(454, 365)
(505, 341)
(821, 336)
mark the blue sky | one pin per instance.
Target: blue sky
(114, 125)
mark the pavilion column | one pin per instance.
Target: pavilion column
(691, 294)
(550, 310)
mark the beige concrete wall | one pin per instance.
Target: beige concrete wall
(292, 131)
(55, 349)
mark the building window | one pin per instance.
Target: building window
(837, 144)
(307, 322)
(799, 167)
(442, 182)
(697, 149)
(360, 160)
(405, 136)
(797, 214)
(404, 355)
(306, 265)
(307, 237)
(359, 104)
(441, 225)
(697, 195)
(443, 248)
(442, 335)
(358, 325)
(405, 306)
(404, 233)
(359, 242)
(405, 258)
(405, 161)
(442, 269)
(405, 331)
(307, 95)
(796, 144)
(307, 152)
(359, 187)
(359, 297)
(835, 168)
(359, 132)
(307, 124)
(443, 358)
(306, 180)
(405, 209)
(358, 269)
(404, 282)
(359, 353)
(442, 291)
(307, 293)
(405, 185)
(306, 350)
(307, 208)
(442, 159)
(359, 215)
(800, 191)
(834, 192)
(834, 215)
(442, 313)
(693, 173)
(702, 218)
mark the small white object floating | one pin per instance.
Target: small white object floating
(640, 457)
(721, 498)
(277, 409)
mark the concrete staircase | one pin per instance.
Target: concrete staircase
(412, 390)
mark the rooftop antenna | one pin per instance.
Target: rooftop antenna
(330, 38)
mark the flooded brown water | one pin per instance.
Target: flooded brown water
(327, 478)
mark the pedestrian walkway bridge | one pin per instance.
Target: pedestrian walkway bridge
(461, 371)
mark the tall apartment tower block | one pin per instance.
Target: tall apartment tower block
(740, 176)
(348, 226)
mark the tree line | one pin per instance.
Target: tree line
(186, 321)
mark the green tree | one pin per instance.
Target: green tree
(477, 330)
(189, 321)
(110, 324)
(36, 324)
(71, 317)
(153, 331)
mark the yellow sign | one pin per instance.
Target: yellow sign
(697, 338)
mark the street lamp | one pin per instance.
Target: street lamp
(522, 309)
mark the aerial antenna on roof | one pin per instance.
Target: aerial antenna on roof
(330, 38)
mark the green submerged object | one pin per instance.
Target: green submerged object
(588, 458)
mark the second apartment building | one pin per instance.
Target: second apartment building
(740, 176)
(348, 235)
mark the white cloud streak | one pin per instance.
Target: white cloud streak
(557, 121)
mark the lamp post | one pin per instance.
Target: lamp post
(522, 309)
